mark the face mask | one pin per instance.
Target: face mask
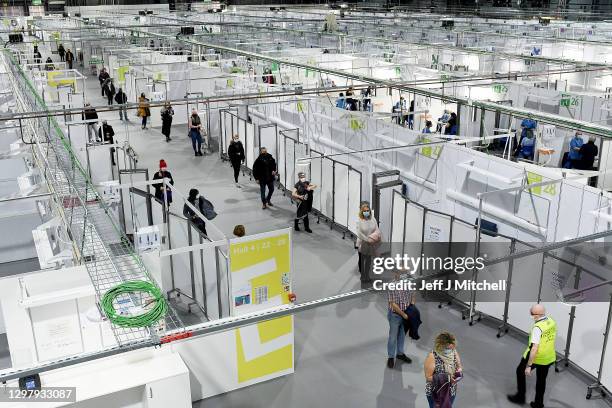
(448, 352)
(366, 214)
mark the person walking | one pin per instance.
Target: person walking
(539, 356)
(195, 132)
(369, 239)
(61, 52)
(102, 78)
(302, 193)
(109, 90)
(160, 190)
(69, 58)
(121, 99)
(235, 152)
(399, 300)
(190, 214)
(166, 116)
(106, 133)
(443, 370)
(49, 64)
(264, 172)
(91, 116)
(144, 110)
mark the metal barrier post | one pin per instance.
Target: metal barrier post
(570, 328)
(504, 326)
(598, 385)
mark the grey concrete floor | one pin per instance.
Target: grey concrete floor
(340, 350)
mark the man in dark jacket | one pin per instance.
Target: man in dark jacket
(106, 133)
(61, 52)
(102, 78)
(264, 172)
(91, 115)
(69, 58)
(235, 151)
(109, 90)
(588, 152)
(121, 99)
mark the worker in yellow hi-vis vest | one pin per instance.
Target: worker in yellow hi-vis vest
(539, 356)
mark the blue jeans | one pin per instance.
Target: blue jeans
(397, 336)
(431, 400)
(262, 189)
(196, 140)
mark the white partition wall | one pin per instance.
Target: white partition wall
(341, 193)
(327, 187)
(354, 198)
(316, 178)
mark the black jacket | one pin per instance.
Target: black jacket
(89, 114)
(588, 152)
(103, 77)
(263, 168)
(106, 133)
(235, 151)
(158, 186)
(411, 326)
(120, 97)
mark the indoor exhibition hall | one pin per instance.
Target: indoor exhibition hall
(350, 205)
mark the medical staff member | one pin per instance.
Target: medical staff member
(302, 193)
(539, 356)
(574, 155)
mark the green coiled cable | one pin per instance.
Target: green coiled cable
(146, 319)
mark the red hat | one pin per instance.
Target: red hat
(162, 164)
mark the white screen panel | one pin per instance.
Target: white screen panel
(606, 377)
(250, 145)
(354, 199)
(587, 338)
(315, 178)
(281, 158)
(157, 211)
(437, 228)
(267, 136)
(179, 238)
(327, 174)
(399, 215)
(341, 208)
(99, 163)
(524, 291)
(126, 197)
(140, 210)
(495, 247)
(290, 176)
(414, 223)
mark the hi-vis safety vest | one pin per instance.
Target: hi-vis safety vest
(546, 349)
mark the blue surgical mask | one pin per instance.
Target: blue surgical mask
(449, 352)
(366, 214)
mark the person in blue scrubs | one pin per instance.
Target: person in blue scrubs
(427, 128)
(574, 155)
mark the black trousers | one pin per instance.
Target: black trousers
(262, 188)
(365, 266)
(541, 374)
(236, 166)
(110, 99)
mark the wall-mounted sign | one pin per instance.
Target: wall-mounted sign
(500, 88)
(568, 100)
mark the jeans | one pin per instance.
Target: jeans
(262, 188)
(431, 400)
(123, 112)
(541, 374)
(196, 140)
(397, 336)
(92, 130)
(144, 121)
(236, 166)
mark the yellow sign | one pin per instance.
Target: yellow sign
(53, 81)
(121, 71)
(260, 269)
(534, 178)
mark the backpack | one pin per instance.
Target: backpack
(207, 209)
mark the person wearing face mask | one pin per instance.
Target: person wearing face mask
(195, 132)
(160, 190)
(443, 370)
(369, 239)
(399, 300)
(302, 193)
(574, 155)
(264, 172)
(190, 214)
(235, 151)
(539, 356)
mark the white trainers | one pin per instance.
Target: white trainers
(238, 185)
